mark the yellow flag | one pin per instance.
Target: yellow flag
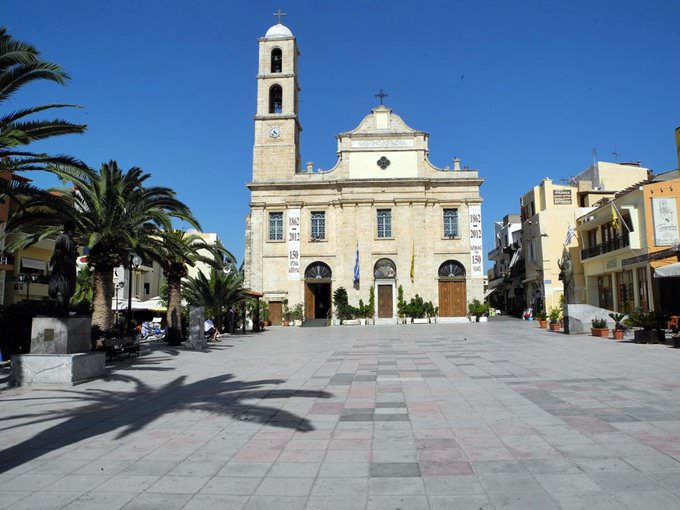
(413, 260)
(615, 218)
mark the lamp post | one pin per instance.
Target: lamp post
(119, 286)
(27, 279)
(134, 261)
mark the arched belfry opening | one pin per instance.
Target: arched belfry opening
(275, 99)
(276, 61)
(385, 274)
(452, 289)
(318, 291)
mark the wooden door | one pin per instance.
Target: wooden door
(384, 301)
(452, 299)
(309, 302)
(275, 312)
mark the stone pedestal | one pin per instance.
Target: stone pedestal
(581, 316)
(60, 335)
(57, 369)
(197, 338)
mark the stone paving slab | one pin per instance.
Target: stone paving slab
(483, 416)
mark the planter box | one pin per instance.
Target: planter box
(351, 322)
(676, 342)
(601, 332)
(421, 321)
(484, 319)
(646, 337)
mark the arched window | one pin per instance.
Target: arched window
(275, 99)
(451, 269)
(277, 61)
(384, 268)
(318, 271)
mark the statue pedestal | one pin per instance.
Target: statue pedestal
(57, 369)
(60, 353)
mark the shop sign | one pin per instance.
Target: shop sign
(562, 196)
(665, 218)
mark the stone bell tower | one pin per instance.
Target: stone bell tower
(276, 153)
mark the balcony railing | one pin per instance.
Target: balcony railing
(615, 243)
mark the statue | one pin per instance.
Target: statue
(567, 276)
(63, 265)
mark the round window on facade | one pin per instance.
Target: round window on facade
(384, 268)
(451, 269)
(318, 271)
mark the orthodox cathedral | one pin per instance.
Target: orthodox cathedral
(383, 217)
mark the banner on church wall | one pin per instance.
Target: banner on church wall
(293, 244)
(476, 248)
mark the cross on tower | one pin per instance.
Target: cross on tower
(616, 154)
(381, 95)
(279, 14)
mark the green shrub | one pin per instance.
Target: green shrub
(599, 323)
(555, 315)
(644, 320)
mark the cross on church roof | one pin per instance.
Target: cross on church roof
(381, 95)
(279, 14)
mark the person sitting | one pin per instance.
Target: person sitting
(211, 330)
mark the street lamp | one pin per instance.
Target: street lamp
(133, 263)
(27, 279)
(119, 286)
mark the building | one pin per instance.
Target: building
(549, 212)
(506, 290)
(382, 218)
(626, 240)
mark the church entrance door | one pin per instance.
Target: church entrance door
(452, 301)
(275, 312)
(385, 304)
(317, 300)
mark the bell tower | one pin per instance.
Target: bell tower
(276, 153)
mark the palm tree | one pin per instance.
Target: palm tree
(178, 251)
(20, 64)
(221, 290)
(114, 215)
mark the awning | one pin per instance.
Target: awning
(154, 303)
(489, 292)
(34, 264)
(669, 271)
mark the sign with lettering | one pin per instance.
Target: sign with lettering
(665, 217)
(381, 143)
(476, 247)
(293, 244)
(562, 196)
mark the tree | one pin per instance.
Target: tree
(114, 214)
(217, 292)
(20, 64)
(84, 294)
(178, 250)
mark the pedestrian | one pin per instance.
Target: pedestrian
(210, 329)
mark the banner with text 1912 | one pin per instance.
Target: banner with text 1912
(293, 244)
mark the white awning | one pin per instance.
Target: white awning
(669, 271)
(34, 264)
(489, 292)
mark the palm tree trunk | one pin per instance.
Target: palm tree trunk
(174, 315)
(102, 315)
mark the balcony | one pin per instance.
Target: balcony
(616, 243)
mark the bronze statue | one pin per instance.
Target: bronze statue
(567, 276)
(63, 265)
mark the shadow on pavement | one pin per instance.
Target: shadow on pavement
(133, 409)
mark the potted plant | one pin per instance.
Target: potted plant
(286, 313)
(297, 315)
(477, 309)
(599, 328)
(647, 322)
(554, 317)
(542, 319)
(619, 328)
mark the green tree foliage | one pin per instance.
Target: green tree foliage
(217, 292)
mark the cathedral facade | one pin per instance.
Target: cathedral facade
(382, 218)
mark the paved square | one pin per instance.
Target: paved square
(491, 415)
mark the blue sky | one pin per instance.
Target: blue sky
(519, 90)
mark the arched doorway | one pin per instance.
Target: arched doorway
(317, 291)
(385, 273)
(452, 291)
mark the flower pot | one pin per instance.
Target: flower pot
(555, 326)
(285, 323)
(676, 342)
(542, 323)
(642, 336)
(618, 334)
(601, 332)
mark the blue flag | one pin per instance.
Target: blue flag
(356, 267)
